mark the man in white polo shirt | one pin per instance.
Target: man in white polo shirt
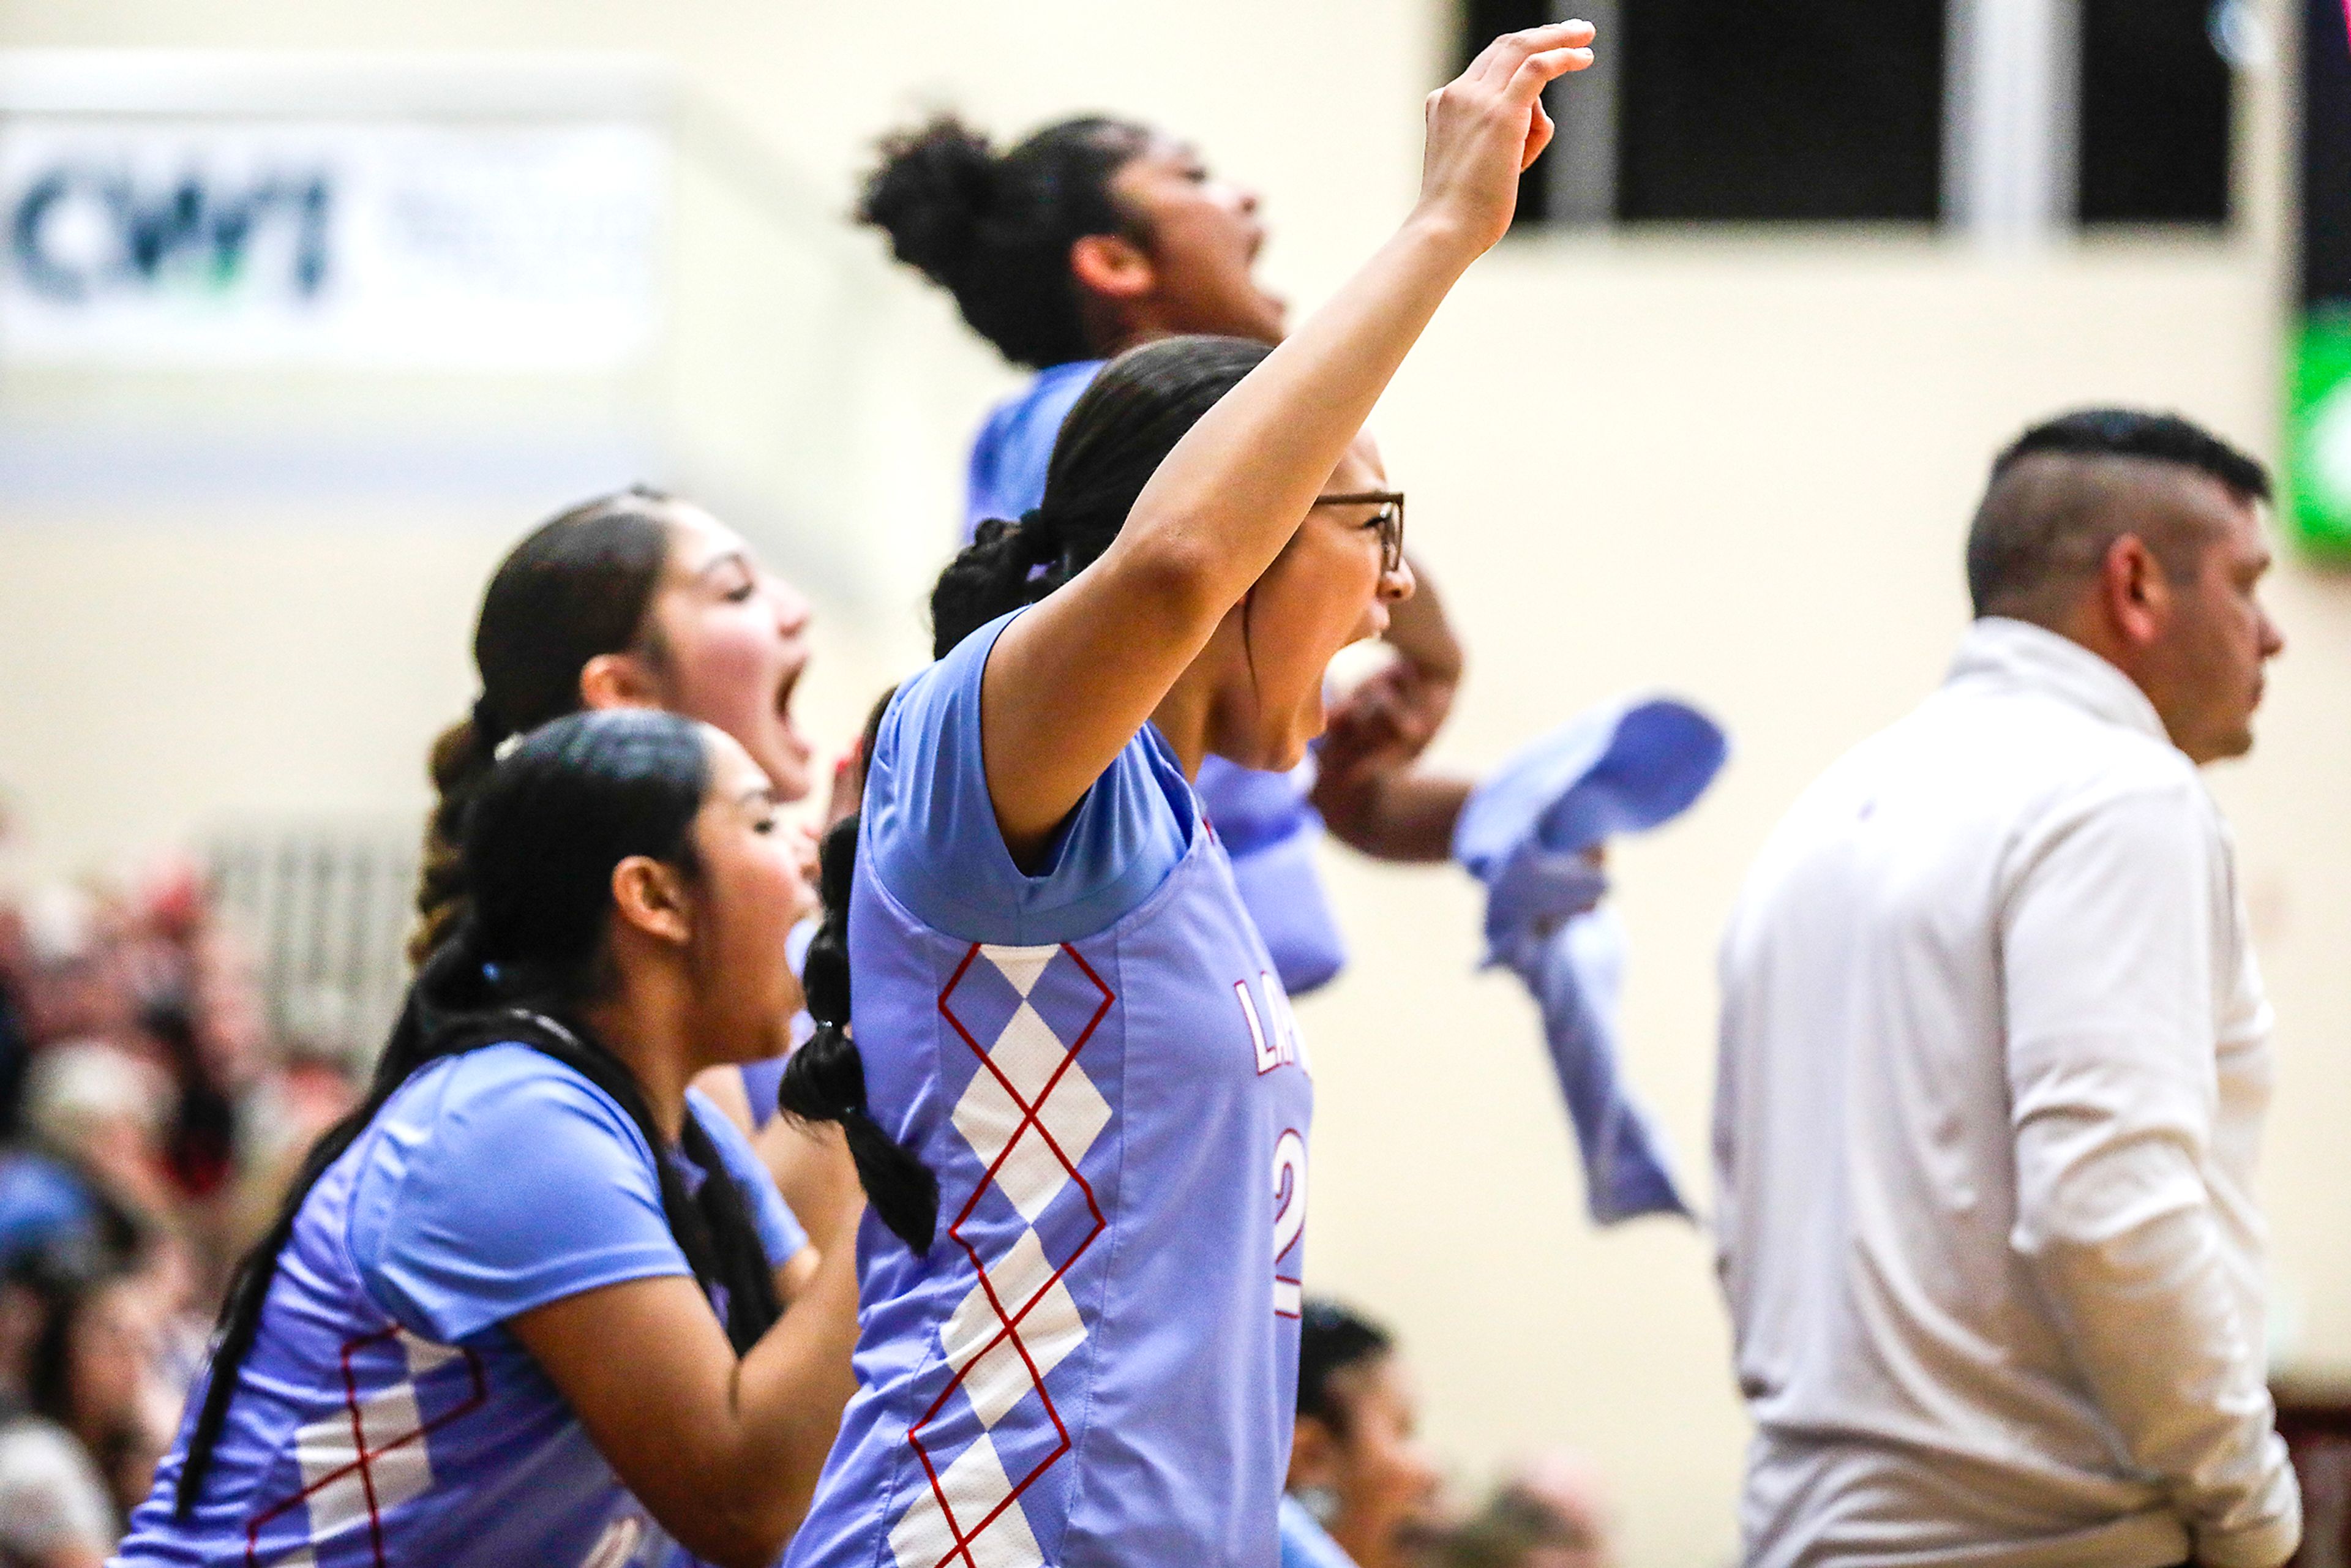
(1994, 1056)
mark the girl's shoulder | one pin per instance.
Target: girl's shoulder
(931, 837)
(494, 1181)
(485, 1091)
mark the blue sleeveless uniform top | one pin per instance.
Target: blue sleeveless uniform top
(1097, 1360)
(384, 1416)
(1269, 830)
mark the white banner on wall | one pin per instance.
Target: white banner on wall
(139, 242)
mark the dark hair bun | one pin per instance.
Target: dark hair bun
(995, 229)
(929, 193)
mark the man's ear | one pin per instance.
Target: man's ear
(617, 680)
(1112, 267)
(1314, 1454)
(2138, 595)
(651, 898)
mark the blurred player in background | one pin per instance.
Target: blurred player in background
(1357, 1470)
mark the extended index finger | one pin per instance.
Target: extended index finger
(1538, 71)
(1500, 59)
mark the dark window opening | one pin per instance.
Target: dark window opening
(2326, 156)
(2154, 119)
(1831, 110)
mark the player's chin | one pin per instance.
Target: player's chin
(786, 762)
(1291, 749)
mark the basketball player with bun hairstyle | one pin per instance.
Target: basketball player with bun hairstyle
(521, 1304)
(1090, 237)
(639, 599)
(1074, 1090)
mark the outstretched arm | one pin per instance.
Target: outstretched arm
(1403, 814)
(1069, 683)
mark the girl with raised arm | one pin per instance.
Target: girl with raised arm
(1074, 1090)
(1092, 236)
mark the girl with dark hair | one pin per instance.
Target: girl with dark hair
(640, 600)
(1091, 237)
(521, 1304)
(1075, 1090)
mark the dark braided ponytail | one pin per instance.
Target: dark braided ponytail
(825, 1079)
(546, 829)
(1117, 434)
(579, 585)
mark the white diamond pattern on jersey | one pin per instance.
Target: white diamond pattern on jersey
(1022, 1286)
(1021, 1118)
(370, 1456)
(1030, 1114)
(973, 1496)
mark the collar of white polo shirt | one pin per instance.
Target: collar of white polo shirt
(2020, 655)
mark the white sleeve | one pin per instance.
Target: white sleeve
(50, 1496)
(2108, 949)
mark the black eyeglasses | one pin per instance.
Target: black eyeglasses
(1390, 517)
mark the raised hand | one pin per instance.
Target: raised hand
(1488, 124)
(1069, 681)
(1385, 722)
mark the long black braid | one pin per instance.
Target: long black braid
(825, 1080)
(578, 795)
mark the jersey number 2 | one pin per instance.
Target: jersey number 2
(1289, 1219)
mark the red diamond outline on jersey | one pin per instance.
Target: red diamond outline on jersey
(366, 1456)
(1011, 1323)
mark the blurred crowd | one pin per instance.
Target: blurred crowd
(148, 1121)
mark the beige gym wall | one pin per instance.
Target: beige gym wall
(1733, 466)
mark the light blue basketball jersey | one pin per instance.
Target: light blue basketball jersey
(1097, 1360)
(1015, 446)
(1269, 830)
(384, 1417)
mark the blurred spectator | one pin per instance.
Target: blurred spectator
(47, 1206)
(1356, 1465)
(307, 1092)
(74, 1447)
(1364, 1493)
(1551, 1514)
(104, 1109)
(73, 984)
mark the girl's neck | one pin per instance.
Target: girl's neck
(648, 1036)
(1183, 717)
